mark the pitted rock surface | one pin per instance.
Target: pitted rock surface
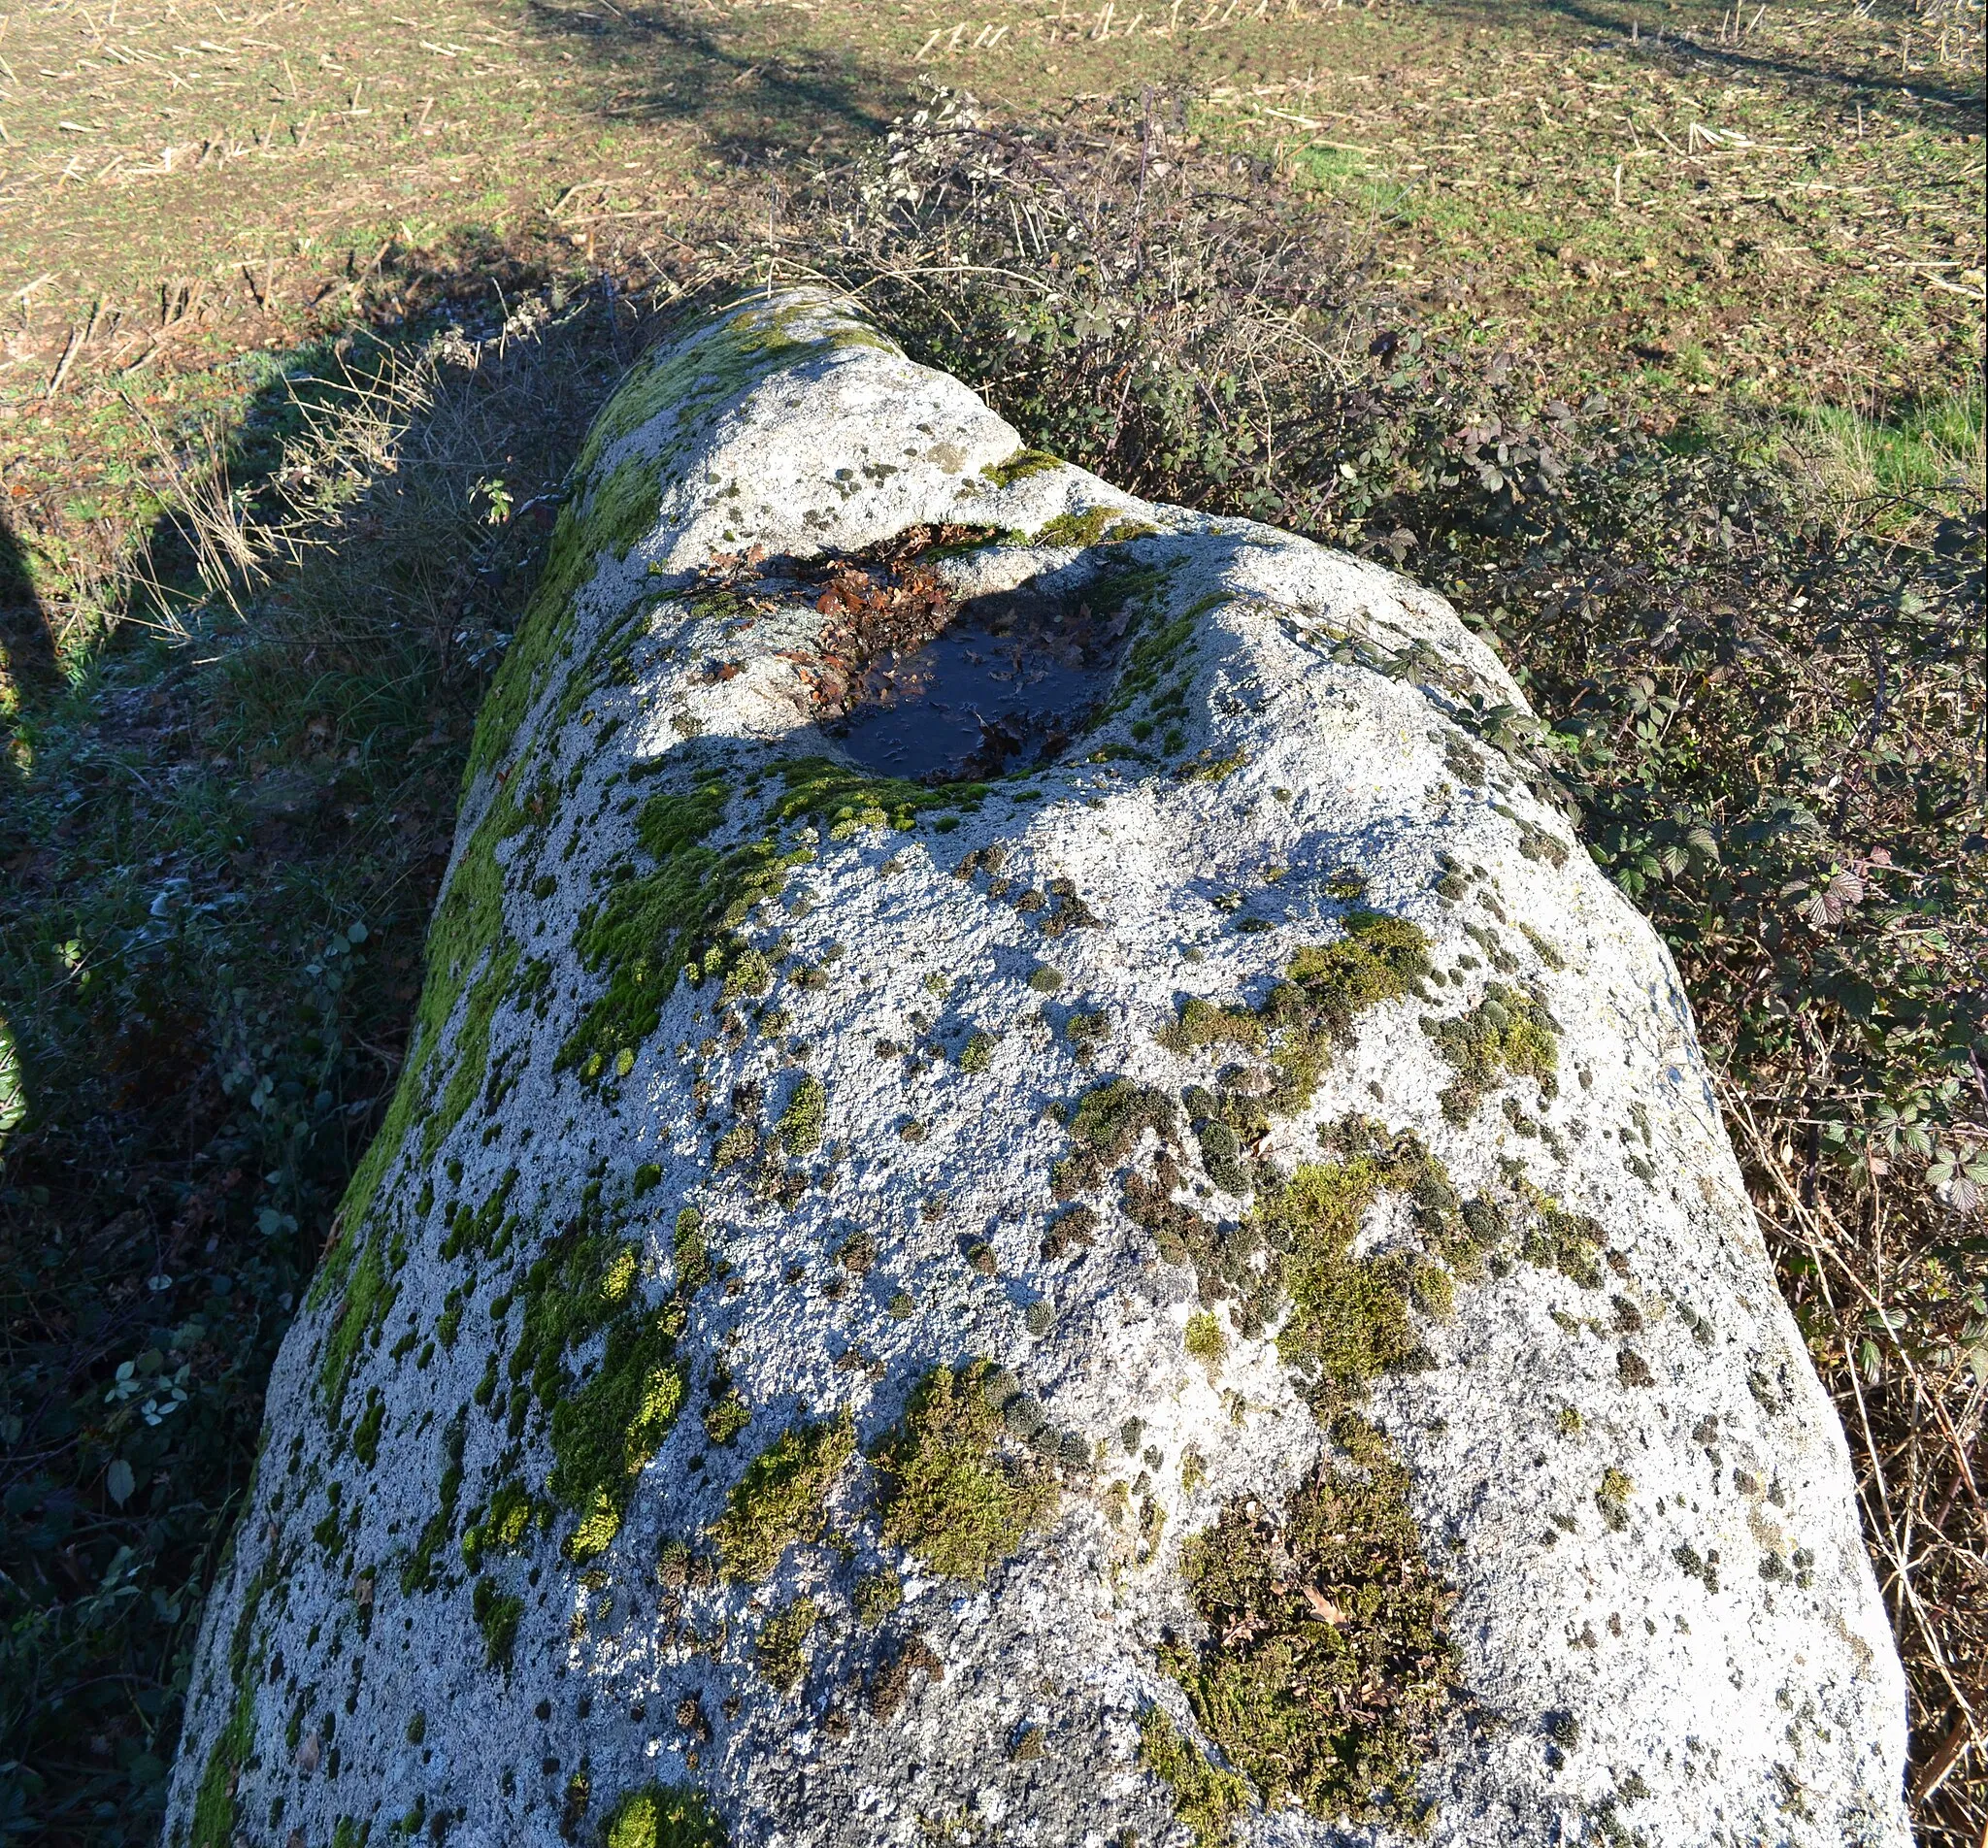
(1249, 1089)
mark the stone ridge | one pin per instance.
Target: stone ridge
(1195, 1293)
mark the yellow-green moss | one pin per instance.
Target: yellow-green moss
(1327, 1667)
(781, 1648)
(1208, 1799)
(645, 929)
(1202, 1023)
(653, 925)
(213, 1802)
(954, 1490)
(801, 1122)
(605, 1431)
(820, 789)
(503, 1523)
(1506, 1032)
(470, 1058)
(662, 1816)
(1612, 1497)
(1312, 1011)
(1093, 526)
(1351, 1317)
(1018, 467)
(1205, 1339)
(778, 1502)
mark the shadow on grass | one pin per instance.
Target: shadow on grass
(27, 644)
(216, 865)
(1823, 69)
(749, 103)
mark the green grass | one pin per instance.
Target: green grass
(1929, 451)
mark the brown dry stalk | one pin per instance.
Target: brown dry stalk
(1914, 1430)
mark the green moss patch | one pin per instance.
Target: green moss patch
(801, 1122)
(1093, 526)
(1202, 1023)
(1351, 1317)
(778, 1502)
(497, 1613)
(1570, 1243)
(1507, 1031)
(662, 1816)
(213, 1802)
(364, 1308)
(1312, 1011)
(781, 1648)
(680, 914)
(417, 1570)
(606, 1430)
(1105, 1128)
(466, 950)
(1206, 1341)
(820, 789)
(646, 928)
(604, 1434)
(1206, 1799)
(1328, 1668)
(1018, 467)
(608, 1433)
(955, 1490)
(502, 1524)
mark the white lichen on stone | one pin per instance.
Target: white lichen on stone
(572, 1484)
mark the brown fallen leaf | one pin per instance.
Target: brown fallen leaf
(1322, 1606)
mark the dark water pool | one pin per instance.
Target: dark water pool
(1005, 685)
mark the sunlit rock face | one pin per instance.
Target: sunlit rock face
(1038, 1197)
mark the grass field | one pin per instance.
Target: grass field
(1651, 334)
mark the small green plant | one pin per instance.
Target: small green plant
(778, 1502)
(1208, 1801)
(954, 1487)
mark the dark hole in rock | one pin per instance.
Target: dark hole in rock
(937, 677)
(1005, 684)
(935, 666)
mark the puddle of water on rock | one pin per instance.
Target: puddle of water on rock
(1005, 685)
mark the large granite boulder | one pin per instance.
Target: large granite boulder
(1038, 1197)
